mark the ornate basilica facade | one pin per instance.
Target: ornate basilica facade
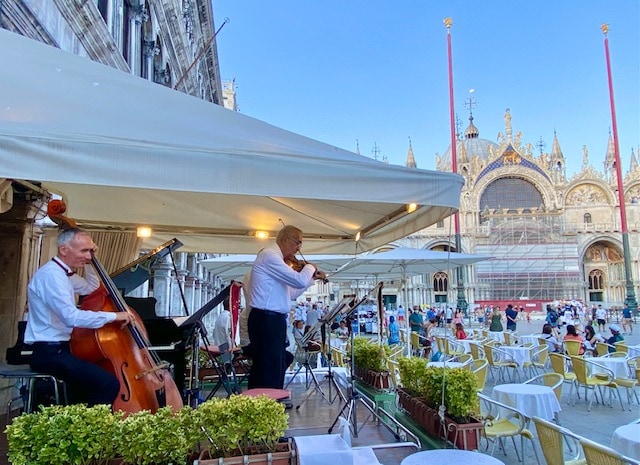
(550, 236)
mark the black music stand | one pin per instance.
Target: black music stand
(344, 307)
(354, 396)
(198, 335)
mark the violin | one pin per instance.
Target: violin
(297, 265)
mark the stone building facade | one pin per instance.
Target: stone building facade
(551, 236)
(169, 42)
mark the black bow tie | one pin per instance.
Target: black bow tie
(66, 271)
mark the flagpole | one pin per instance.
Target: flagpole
(462, 301)
(630, 300)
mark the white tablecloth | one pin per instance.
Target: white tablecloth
(532, 338)
(466, 344)
(445, 364)
(450, 457)
(519, 354)
(634, 351)
(331, 449)
(626, 440)
(497, 336)
(531, 399)
(618, 365)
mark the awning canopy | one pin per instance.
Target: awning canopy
(124, 152)
(405, 261)
(236, 266)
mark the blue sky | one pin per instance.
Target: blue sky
(376, 71)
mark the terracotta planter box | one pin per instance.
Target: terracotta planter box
(283, 455)
(430, 421)
(380, 380)
(464, 435)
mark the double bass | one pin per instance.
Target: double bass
(145, 382)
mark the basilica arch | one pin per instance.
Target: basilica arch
(537, 181)
(603, 267)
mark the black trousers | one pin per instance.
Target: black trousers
(86, 382)
(268, 335)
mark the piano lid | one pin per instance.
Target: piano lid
(137, 272)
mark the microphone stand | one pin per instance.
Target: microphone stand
(327, 320)
(354, 396)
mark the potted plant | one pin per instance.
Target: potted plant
(460, 400)
(370, 362)
(57, 435)
(422, 397)
(145, 438)
(240, 426)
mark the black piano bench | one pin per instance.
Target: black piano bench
(28, 382)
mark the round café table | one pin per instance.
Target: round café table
(618, 365)
(531, 338)
(519, 354)
(449, 457)
(530, 399)
(626, 440)
(497, 336)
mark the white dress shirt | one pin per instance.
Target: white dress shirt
(273, 284)
(222, 329)
(52, 311)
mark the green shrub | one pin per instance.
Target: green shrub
(236, 424)
(368, 355)
(460, 391)
(413, 374)
(57, 435)
(460, 387)
(146, 438)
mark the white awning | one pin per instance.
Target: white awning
(124, 152)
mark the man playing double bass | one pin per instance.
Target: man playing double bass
(272, 286)
(53, 315)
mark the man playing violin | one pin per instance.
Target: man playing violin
(272, 286)
(53, 315)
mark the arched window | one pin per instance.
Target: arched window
(440, 282)
(587, 218)
(511, 193)
(596, 280)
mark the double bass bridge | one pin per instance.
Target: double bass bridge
(157, 367)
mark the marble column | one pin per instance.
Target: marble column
(162, 286)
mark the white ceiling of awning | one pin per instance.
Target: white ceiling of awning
(124, 152)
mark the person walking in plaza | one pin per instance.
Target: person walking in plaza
(53, 314)
(512, 318)
(458, 317)
(552, 320)
(394, 332)
(601, 318)
(272, 286)
(415, 320)
(496, 320)
(627, 320)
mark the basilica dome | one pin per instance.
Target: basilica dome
(469, 147)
